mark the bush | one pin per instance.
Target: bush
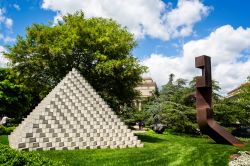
(6, 130)
(173, 116)
(13, 157)
(2, 130)
(11, 122)
(131, 115)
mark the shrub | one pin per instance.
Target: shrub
(2, 130)
(131, 115)
(6, 130)
(172, 115)
(13, 157)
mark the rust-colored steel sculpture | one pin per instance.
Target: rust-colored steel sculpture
(204, 105)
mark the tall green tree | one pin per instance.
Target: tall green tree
(215, 89)
(170, 107)
(235, 108)
(16, 100)
(248, 79)
(99, 48)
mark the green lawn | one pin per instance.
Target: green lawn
(4, 139)
(165, 149)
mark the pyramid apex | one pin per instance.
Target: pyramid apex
(74, 70)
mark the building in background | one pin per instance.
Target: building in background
(146, 89)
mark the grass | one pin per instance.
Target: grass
(165, 149)
(4, 139)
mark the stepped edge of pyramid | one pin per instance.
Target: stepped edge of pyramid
(72, 116)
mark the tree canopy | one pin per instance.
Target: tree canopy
(16, 100)
(174, 107)
(99, 48)
(235, 108)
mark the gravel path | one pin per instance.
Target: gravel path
(240, 159)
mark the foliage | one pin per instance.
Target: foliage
(174, 116)
(99, 48)
(13, 157)
(226, 112)
(12, 122)
(16, 100)
(174, 108)
(6, 130)
(2, 130)
(248, 79)
(131, 115)
(7, 74)
(216, 97)
(236, 108)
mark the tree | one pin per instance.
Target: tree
(169, 108)
(15, 99)
(175, 91)
(168, 89)
(248, 79)
(171, 78)
(180, 82)
(99, 48)
(242, 99)
(236, 108)
(173, 115)
(215, 89)
(132, 115)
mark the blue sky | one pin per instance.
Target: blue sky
(169, 33)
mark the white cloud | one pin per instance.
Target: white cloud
(225, 46)
(153, 18)
(182, 19)
(2, 17)
(8, 23)
(17, 7)
(6, 39)
(161, 66)
(3, 61)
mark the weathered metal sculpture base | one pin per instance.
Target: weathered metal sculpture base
(204, 105)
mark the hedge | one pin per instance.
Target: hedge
(6, 130)
(11, 157)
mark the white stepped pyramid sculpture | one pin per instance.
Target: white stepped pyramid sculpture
(72, 116)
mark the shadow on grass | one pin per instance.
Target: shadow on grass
(184, 134)
(147, 138)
